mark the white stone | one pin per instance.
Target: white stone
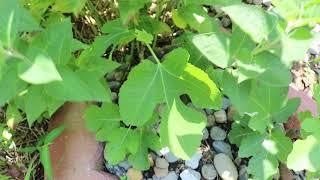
(193, 163)
(125, 164)
(190, 174)
(208, 172)
(211, 120)
(220, 116)
(162, 163)
(171, 158)
(216, 133)
(266, 2)
(171, 176)
(225, 167)
(160, 172)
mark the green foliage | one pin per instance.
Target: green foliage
(105, 122)
(42, 66)
(150, 84)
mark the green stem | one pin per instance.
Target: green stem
(15, 54)
(154, 44)
(111, 52)
(153, 54)
(260, 48)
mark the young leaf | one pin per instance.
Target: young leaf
(41, 71)
(238, 133)
(143, 36)
(140, 159)
(178, 19)
(120, 142)
(253, 20)
(103, 118)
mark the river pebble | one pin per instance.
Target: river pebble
(225, 167)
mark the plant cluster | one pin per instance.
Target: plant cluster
(42, 66)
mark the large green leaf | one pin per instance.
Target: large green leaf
(293, 47)
(10, 85)
(78, 86)
(298, 12)
(266, 150)
(265, 67)
(253, 20)
(37, 101)
(198, 19)
(264, 102)
(149, 84)
(41, 70)
(181, 129)
(34, 103)
(305, 153)
(237, 92)
(57, 41)
(215, 47)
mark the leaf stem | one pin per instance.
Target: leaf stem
(153, 54)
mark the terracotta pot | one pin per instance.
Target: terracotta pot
(75, 154)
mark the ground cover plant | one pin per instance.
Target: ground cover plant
(175, 53)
